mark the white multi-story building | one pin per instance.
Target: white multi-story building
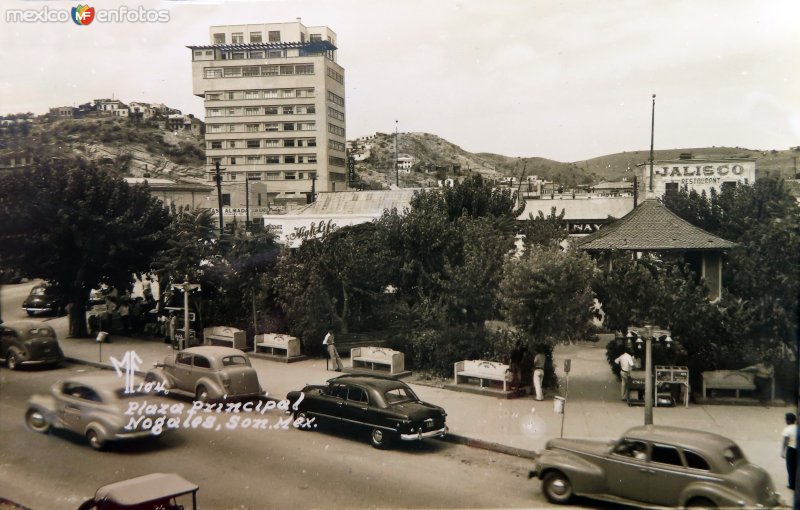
(274, 112)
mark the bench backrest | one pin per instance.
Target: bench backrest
(222, 332)
(373, 352)
(477, 366)
(728, 378)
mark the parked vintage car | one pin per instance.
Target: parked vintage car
(384, 406)
(208, 373)
(156, 491)
(655, 466)
(93, 406)
(45, 298)
(29, 343)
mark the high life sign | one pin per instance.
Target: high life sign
(699, 175)
(313, 229)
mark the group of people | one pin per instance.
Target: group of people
(522, 367)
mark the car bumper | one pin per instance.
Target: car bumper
(122, 436)
(38, 309)
(418, 436)
(45, 361)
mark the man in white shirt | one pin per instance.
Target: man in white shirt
(626, 363)
(789, 448)
(333, 354)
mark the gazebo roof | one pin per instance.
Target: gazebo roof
(652, 227)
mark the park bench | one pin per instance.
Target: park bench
(728, 380)
(276, 344)
(378, 359)
(225, 336)
(481, 370)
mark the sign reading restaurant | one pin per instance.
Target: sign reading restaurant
(699, 175)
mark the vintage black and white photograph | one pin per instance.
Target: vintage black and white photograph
(399, 254)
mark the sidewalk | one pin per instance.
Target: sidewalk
(518, 426)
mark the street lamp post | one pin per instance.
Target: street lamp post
(650, 334)
(652, 136)
(396, 170)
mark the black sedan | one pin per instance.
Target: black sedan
(384, 406)
(29, 343)
(45, 298)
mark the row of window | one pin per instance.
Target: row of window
(336, 76)
(268, 126)
(258, 37)
(335, 114)
(333, 98)
(262, 144)
(335, 130)
(335, 161)
(337, 146)
(289, 159)
(260, 94)
(251, 71)
(265, 110)
(287, 175)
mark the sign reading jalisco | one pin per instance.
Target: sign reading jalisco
(700, 175)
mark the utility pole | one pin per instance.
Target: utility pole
(218, 179)
(652, 135)
(187, 288)
(246, 202)
(396, 170)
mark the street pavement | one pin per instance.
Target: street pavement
(518, 426)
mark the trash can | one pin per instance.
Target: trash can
(558, 404)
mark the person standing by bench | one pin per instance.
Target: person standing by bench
(626, 364)
(333, 354)
(789, 449)
(538, 372)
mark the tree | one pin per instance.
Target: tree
(74, 224)
(546, 231)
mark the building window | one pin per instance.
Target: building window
(335, 130)
(274, 36)
(337, 146)
(252, 128)
(270, 126)
(214, 128)
(253, 144)
(219, 38)
(288, 110)
(290, 176)
(288, 126)
(315, 38)
(214, 112)
(256, 54)
(198, 53)
(290, 159)
(231, 144)
(304, 69)
(216, 161)
(286, 70)
(231, 95)
(336, 114)
(254, 176)
(269, 70)
(334, 161)
(253, 160)
(275, 54)
(237, 38)
(311, 158)
(209, 53)
(307, 126)
(311, 142)
(251, 94)
(212, 72)
(311, 108)
(232, 72)
(272, 143)
(232, 176)
(251, 111)
(333, 98)
(215, 145)
(213, 97)
(233, 162)
(270, 94)
(273, 160)
(335, 75)
(226, 199)
(251, 71)
(255, 37)
(232, 128)
(272, 176)
(239, 55)
(270, 110)
(232, 112)
(288, 143)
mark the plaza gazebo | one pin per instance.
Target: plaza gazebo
(652, 228)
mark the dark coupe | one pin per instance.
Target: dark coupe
(29, 343)
(45, 298)
(384, 406)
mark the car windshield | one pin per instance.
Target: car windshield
(39, 291)
(398, 395)
(229, 361)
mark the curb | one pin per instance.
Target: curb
(449, 437)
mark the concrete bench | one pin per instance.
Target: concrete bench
(225, 336)
(277, 344)
(481, 370)
(378, 358)
(728, 380)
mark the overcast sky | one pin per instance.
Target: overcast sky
(566, 80)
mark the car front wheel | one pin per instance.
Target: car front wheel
(12, 359)
(701, 503)
(380, 438)
(557, 488)
(94, 439)
(36, 420)
(201, 395)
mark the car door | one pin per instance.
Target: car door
(330, 402)
(182, 371)
(627, 470)
(671, 476)
(78, 406)
(356, 408)
(201, 367)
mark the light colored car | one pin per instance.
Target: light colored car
(655, 466)
(208, 373)
(93, 406)
(29, 343)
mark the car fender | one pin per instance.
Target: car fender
(47, 406)
(721, 496)
(103, 430)
(586, 477)
(160, 376)
(215, 390)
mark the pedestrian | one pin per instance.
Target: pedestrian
(538, 372)
(626, 363)
(515, 364)
(172, 326)
(333, 354)
(789, 448)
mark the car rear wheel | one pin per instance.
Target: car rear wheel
(94, 439)
(380, 438)
(701, 503)
(12, 359)
(36, 421)
(557, 488)
(201, 395)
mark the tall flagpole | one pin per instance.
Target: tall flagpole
(652, 135)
